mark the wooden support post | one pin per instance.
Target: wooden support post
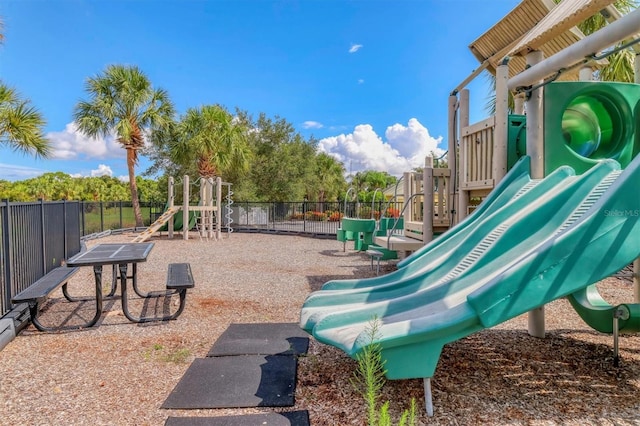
(452, 159)
(185, 207)
(171, 195)
(203, 218)
(535, 150)
(218, 208)
(500, 135)
(463, 195)
(518, 104)
(427, 207)
(407, 191)
(585, 74)
(210, 202)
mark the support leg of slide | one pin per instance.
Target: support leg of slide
(428, 397)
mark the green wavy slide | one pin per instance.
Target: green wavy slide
(530, 243)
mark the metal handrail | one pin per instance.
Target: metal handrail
(401, 215)
(346, 196)
(373, 202)
(395, 196)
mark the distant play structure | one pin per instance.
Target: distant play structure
(559, 183)
(362, 231)
(207, 216)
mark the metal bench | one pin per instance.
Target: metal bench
(38, 292)
(179, 277)
(375, 254)
(179, 280)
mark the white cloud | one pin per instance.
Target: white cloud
(70, 144)
(312, 125)
(404, 149)
(360, 81)
(354, 48)
(102, 170)
(13, 172)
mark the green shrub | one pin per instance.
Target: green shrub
(369, 380)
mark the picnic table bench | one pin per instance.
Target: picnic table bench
(38, 292)
(179, 279)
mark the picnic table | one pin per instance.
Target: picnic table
(179, 277)
(120, 255)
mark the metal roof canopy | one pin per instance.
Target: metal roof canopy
(622, 29)
(534, 25)
(560, 19)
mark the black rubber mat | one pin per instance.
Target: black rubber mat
(261, 339)
(293, 418)
(235, 382)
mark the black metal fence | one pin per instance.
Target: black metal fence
(304, 217)
(35, 238)
(100, 216)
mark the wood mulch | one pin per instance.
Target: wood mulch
(119, 373)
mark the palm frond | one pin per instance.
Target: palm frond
(21, 128)
(619, 68)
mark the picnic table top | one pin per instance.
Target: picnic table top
(105, 254)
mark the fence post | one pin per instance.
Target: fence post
(43, 237)
(304, 214)
(120, 206)
(273, 215)
(6, 248)
(101, 216)
(84, 224)
(65, 243)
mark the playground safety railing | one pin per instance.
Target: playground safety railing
(305, 217)
(100, 216)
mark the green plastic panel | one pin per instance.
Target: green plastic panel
(358, 225)
(177, 220)
(587, 122)
(529, 252)
(507, 188)
(360, 231)
(598, 313)
(517, 139)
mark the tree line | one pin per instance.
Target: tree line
(265, 158)
(61, 186)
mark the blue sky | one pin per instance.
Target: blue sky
(369, 79)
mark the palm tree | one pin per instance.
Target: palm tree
(210, 137)
(123, 102)
(21, 124)
(330, 176)
(620, 64)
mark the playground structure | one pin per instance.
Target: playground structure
(561, 209)
(363, 231)
(206, 216)
(425, 213)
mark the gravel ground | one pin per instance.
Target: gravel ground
(119, 373)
